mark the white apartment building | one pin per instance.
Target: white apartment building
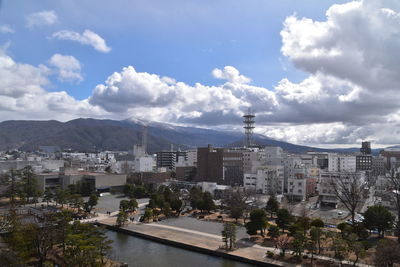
(190, 160)
(383, 184)
(327, 180)
(266, 180)
(341, 163)
(253, 160)
(191, 157)
(296, 173)
(139, 151)
(297, 188)
(274, 155)
(144, 164)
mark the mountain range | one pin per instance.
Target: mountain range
(93, 135)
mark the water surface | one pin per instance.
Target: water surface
(139, 252)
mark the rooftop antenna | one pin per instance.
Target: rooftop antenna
(249, 127)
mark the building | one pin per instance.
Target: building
(378, 166)
(191, 157)
(274, 155)
(252, 160)
(46, 165)
(187, 173)
(363, 162)
(365, 148)
(168, 159)
(327, 180)
(297, 188)
(320, 159)
(98, 181)
(265, 180)
(216, 190)
(219, 165)
(209, 164)
(232, 163)
(144, 164)
(339, 163)
(392, 158)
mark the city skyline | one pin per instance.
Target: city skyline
(315, 73)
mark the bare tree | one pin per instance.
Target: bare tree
(395, 188)
(349, 190)
(283, 242)
(241, 199)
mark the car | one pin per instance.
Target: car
(330, 226)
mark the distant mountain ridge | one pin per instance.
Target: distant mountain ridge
(93, 135)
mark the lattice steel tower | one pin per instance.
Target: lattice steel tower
(248, 127)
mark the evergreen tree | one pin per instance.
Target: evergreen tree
(380, 218)
(273, 231)
(284, 219)
(236, 213)
(122, 217)
(48, 196)
(272, 205)
(229, 235)
(258, 221)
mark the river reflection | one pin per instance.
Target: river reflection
(139, 252)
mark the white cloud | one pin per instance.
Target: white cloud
(130, 92)
(352, 91)
(68, 68)
(86, 38)
(231, 74)
(20, 79)
(23, 95)
(6, 29)
(47, 17)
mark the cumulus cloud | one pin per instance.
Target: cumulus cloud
(353, 82)
(6, 29)
(231, 74)
(20, 79)
(349, 96)
(68, 68)
(47, 17)
(23, 95)
(130, 92)
(86, 38)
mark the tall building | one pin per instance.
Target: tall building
(168, 159)
(365, 148)
(364, 162)
(209, 164)
(219, 165)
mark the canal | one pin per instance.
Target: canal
(139, 252)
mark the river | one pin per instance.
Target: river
(139, 252)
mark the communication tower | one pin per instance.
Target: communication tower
(249, 127)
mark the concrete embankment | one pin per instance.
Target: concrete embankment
(193, 242)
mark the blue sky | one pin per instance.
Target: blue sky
(316, 72)
(182, 39)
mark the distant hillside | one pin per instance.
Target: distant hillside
(93, 134)
(78, 135)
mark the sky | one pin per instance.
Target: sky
(322, 73)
